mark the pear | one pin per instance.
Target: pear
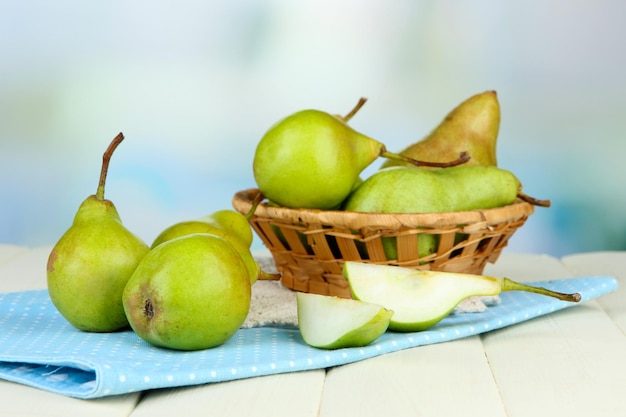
(90, 264)
(421, 299)
(189, 293)
(330, 322)
(228, 224)
(187, 228)
(312, 159)
(419, 190)
(472, 126)
(426, 243)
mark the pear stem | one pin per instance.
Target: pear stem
(463, 157)
(106, 158)
(352, 112)
(267, 276)
(532, 200)
(255, 203)
(510, 285)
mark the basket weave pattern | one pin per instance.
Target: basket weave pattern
(310, 246)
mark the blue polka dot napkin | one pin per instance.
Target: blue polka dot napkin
(39, 348)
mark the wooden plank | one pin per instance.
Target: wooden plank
(569, 363)
(25, 271)
(8, 252)
(21, 400)
(604, 263)
(597, 263)
(448, 379)
(527, 268)
(292, 394)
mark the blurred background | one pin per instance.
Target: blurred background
(194, 84)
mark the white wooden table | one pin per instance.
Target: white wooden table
(570, 363)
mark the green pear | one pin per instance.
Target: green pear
(330, 322)
(472, 126)
(312, 159)
(189, 293)
(187, 228)
(237, 223)
(90, 264)
(426, 243)
(421, 299)
(229, 224)
(418, 190)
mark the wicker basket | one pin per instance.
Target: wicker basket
(310, 246)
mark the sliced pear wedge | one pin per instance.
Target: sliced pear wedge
(421, 299)
(330, 322)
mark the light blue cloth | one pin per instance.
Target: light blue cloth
(39, 348)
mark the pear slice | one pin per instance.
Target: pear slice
(421, 299)
(330, 322)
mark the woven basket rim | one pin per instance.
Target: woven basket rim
(243, 200)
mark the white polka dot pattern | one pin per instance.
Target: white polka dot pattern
(39, 348)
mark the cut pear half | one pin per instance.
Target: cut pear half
(421, 299)
(330, 322)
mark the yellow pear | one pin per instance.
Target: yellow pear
(472, 127)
